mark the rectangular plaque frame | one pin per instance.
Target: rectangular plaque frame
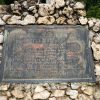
(27, 34)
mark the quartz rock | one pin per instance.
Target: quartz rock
(4, 87)
(81, 12)
(61, 20)
(67, 11)
(8, 94)
(12, 99)
(41, 95)
(87, 90)
(58, 93)
(83, 20)
(17, 94)
(83, 97)
(62, 86)
(28, 96)
(39, 89)
(75, 85)
(96, 50)
(3, 9)
(96, 27)
(31, 8)
(14, 20)
(29, 19)
(91, 23)
(36, 15)
(45, 10)
(46, 20)
(72, 93)
(2, 22)
(72, 21)
(6, 17)
(97, 38)
(63, 98)
(25, 5)
(79, 5)
(53, 98)
(16, 7)
(97, 69)
(97, 94)
(3, 98)
(59, 3)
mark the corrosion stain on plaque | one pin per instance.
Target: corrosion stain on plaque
(47, 53)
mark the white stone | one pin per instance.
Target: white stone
(72, 21)
(6, 17)
(83, 97)
(25, 4)
(17, 93)
(61, 20)
(12, 99)
(29, 19)
(39, 89)
(96, 27)
(72, 93)
(97, 94)
(62, 86)
(59, 3)
(83, 20)
(91, 23)
(58, 93)
(79, 5)
(41, 95)
(14, 20)
(53, 98)
(28, 96)
(96, 50)
(46, 20)
(3, 9)
(46, 10)
(63, 98)
(97, 38)
(8, 93)
(75, 85)
(2, 22)
(87, 90)
(4, 87)
(97, 69)
(1, 38)
(31, 8)
(81, 12)
(67, 11)
(3, 98)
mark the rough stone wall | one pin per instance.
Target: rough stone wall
(68, 12)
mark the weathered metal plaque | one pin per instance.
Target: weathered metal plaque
(40, 53)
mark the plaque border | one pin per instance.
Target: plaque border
(89, 59)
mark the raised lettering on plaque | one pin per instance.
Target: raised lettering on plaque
(50, 53)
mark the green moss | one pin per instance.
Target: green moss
(6, 1)
(92, 8)
(2, 2)
(94, 11)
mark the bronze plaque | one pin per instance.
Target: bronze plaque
(47, 53)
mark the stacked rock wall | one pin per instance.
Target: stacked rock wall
(67, 12)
